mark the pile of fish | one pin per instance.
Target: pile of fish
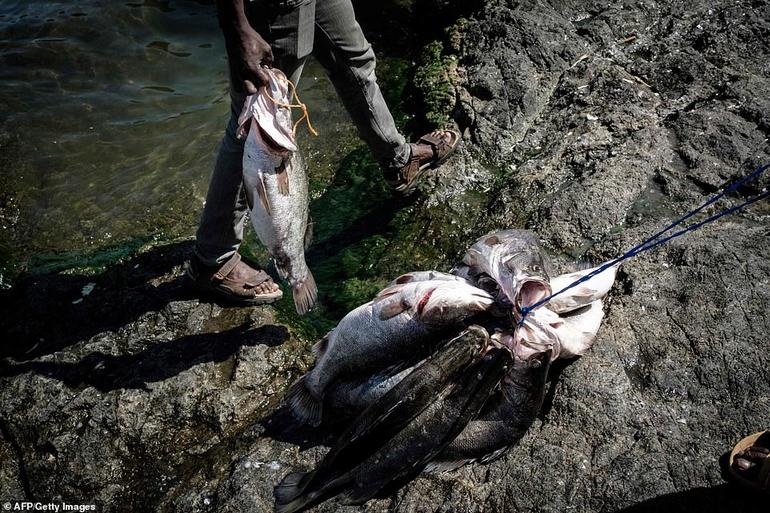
(275, 184)
(440, 369)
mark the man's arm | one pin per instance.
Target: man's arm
(246, 49)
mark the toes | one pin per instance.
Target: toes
(265, 288)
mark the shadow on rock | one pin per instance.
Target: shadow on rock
(161, 361)
(45, 313)
(727, 498)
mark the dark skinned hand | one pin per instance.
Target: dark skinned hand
(248, 53)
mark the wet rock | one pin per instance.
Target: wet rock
(593, 123)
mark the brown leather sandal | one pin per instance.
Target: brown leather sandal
(443, 142)
(235, 281)
(749, 462)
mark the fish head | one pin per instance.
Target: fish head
(272, 113)
(441, 302)
(513, 263)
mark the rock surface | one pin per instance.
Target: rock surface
(593, 123)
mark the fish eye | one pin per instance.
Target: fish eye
(537, 268)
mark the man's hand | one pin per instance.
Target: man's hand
(247, 54)
(247, 51)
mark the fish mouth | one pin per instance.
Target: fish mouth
(532, 291)
(271, 145)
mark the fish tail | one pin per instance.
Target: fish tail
(305, 293)
(305, 408)
(291, 506)
(288, 490)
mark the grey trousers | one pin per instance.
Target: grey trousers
(327, 29)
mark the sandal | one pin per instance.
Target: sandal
(235, 281)
(749, 462)
(443, 142)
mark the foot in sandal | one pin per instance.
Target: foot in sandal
(235, 281)
(430, 151)
(750, 461)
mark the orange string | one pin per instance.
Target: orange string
(298, 105)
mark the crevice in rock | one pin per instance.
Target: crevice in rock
(5, 433)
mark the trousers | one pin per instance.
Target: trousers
(295, 29)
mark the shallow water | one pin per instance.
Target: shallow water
(113, 112)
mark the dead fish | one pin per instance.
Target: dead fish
(583, 294)
(425, 276)
(505, 418)
(399, 323)
(401, 458)
(511, 260)
(383, 419)
(275, 183)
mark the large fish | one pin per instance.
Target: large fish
(506, 416)
(275, 182)
(399, 459)
(395, 328)
(382, 419)
(512, 262)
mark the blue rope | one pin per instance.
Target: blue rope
(654, 241)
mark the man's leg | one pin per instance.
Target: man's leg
(343, 50)
(220, 232)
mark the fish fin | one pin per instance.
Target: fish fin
(438, 467)
(305, 408)
(308, 233)
(393, 309)
(305, 293)
(404, 278)
(249, 195)
(289, 488)
(494, 455)
(319, 348)
(289, 507)
(262, 193)
(282, 178)
(387, 292)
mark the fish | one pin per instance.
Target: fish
(425, 276)
(276, 186)
(400, 458)
(385, 417)
(574, 331)
(583, 294)
(511, 262)
(394, 328)
(506, 416)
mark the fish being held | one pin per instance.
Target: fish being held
(511, 261)
(401, 455)
(275, 183)
(394, 328)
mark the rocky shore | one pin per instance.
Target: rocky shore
(594, 124)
